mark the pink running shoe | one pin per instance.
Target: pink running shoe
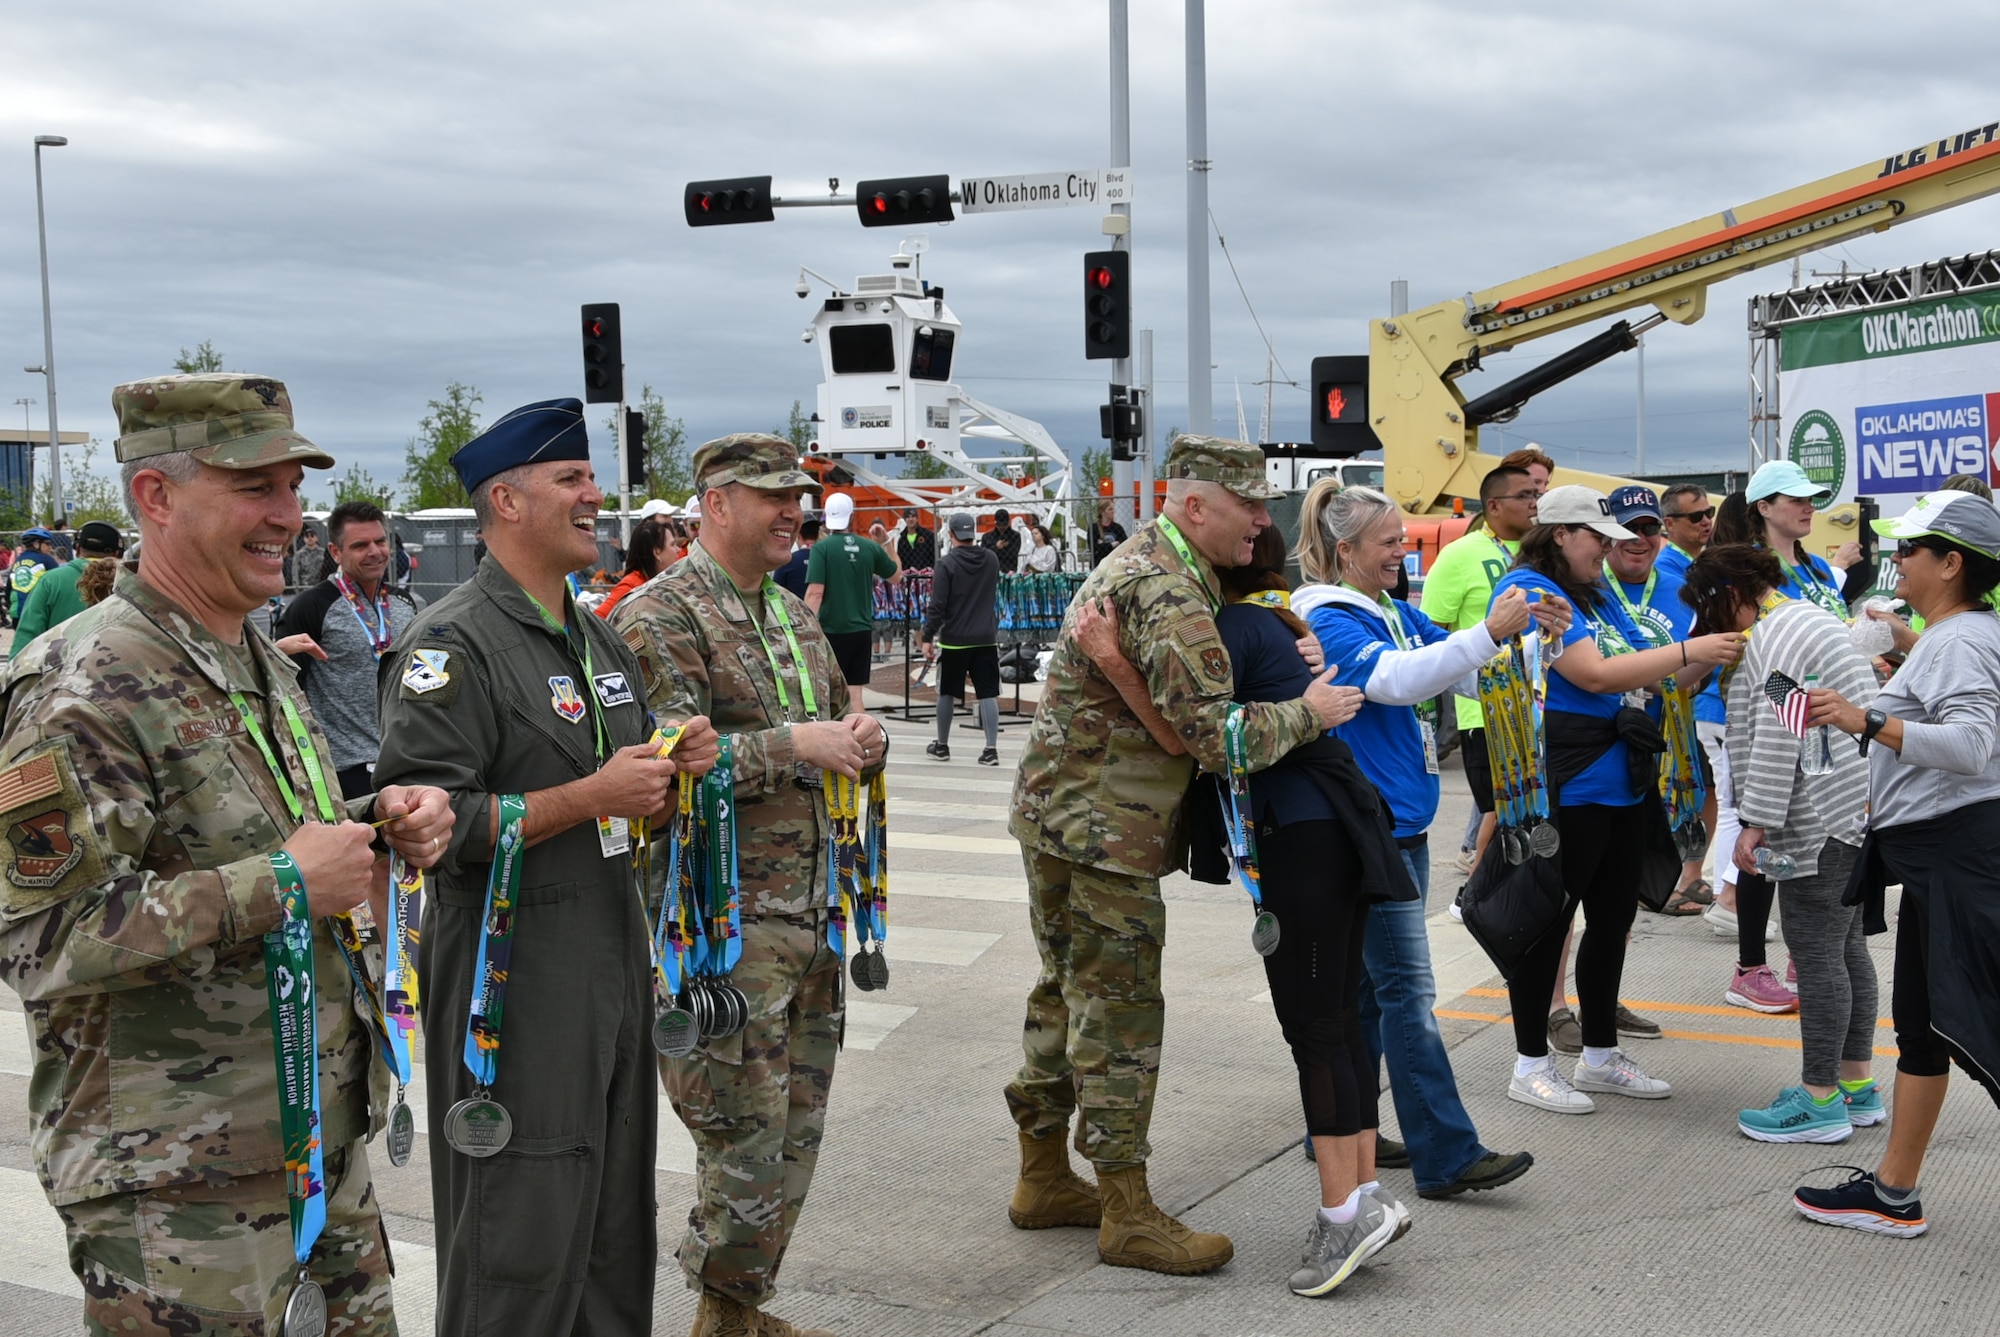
(1792, 976)
(1760, 991)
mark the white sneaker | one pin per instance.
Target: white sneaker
(1464, 863)
(1720, 918)
(1620, 1077)
(1546, 1088)
(1458, 906)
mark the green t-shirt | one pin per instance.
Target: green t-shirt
(1457, 590)
(847, 564)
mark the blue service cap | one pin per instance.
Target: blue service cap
(531, 434)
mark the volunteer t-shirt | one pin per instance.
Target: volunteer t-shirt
(1386, 740)
(1458, 590)
(1607, 780)
(846, 565)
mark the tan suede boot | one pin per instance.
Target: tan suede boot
(720, 1316)
(1136, 1233)
(1049, 1193)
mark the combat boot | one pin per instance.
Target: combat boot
(720, 1316)
(1049, 1193)
(1136, 1233)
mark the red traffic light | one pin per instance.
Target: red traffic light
(880, 204)
(743, 199)
(1102, 277)
(593, 327)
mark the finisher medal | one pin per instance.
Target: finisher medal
(1264, 933)
(478, 1126)
(305, 1311)
(1545, 840)
(676, 1033)
(402, 1132)
(878, 968)
(861, 972)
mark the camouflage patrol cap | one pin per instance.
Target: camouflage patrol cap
(754, 459)
(225, 418)
(1237, 465)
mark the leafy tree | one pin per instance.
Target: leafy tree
(1095, 464)
(797, 429)
(357, 484)
(203, 358)
(923, 464)
(669, 463)
(96, 497)
(428, 478)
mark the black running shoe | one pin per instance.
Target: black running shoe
(990, 757)
(938, 750)
(1856, 1205)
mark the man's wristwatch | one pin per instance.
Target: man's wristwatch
(1875, 719)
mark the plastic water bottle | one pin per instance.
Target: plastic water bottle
(1778, 867)
(1816, 751)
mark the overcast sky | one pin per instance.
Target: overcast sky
(371, 200)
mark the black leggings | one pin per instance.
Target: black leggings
(1596, 876)
(1754, 893)
(1310, 872)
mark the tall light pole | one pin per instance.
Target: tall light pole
(1118, 226)
(1201, 402)
(26, 404)
(49, 336)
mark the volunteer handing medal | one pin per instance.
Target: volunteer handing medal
(479, 1126)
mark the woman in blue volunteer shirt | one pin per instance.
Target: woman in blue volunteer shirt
(1595, 792)
(1781, 501)
(1351, 546)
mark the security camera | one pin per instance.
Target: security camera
(924, 330)
(806, 335)
(803, 290)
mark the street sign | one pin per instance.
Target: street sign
(1091, 187)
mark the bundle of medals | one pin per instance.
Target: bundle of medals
(857, 877)
(907, 601)
(698, 928)
(1680, 774)
(1513, 691)
(1242, 840)
(1036, 600)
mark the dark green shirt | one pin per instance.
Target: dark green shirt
(847, 564)
(51, 603)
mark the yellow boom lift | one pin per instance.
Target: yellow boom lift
(1429, 431)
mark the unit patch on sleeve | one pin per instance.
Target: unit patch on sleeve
(613, 689)
(50, 850)
(428, 677)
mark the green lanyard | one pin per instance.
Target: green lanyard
(288, 972)
(308, 758)
(776, 604)
(1399, 636)
(1180, 546)
(1818, 591)
(589, 674)
(1645, 601)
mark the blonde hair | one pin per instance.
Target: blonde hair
(1330, 516)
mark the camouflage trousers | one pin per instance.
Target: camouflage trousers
(215, 1259)
(1092, 1036)
(755, 1103)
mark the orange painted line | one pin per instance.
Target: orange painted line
(1687, 1009)
(1469, 1016)
(1877, 186)
(1714, 1037)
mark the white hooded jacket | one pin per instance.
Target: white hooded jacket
(1406, 677)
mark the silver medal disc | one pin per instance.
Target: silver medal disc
(1546, 840)
(1514, 845)
(1264, 933)
(676, 1033)
(402, 1134)
(878, 968)
(478, 1126)
(305, 1311)
(861, 972)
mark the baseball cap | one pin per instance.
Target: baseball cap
(1237, 465)
(226, 419)
(1965, 518)
(1781, 478)
(754, 459)
(1575, 504)
(962, 525)
(839, 511)
(98, 537)
(1634, 503)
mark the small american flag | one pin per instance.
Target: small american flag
(1790, 701)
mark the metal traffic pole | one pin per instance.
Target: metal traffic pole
(1119, 225)
(48, 339)
(1201, 395)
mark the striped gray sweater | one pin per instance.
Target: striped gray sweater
(1798, 812)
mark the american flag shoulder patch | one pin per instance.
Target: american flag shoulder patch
(30, 781)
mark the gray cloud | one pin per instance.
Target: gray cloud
(374, 199)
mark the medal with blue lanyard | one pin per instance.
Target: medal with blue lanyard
(675, 1030)
(479, 1126)
(1680, 782)
(1236, 809)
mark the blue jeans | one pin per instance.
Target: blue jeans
(1398, 992)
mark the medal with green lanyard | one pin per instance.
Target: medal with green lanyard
(675, 1032)
(290, 989)
(1680, 784)
(1427, 711)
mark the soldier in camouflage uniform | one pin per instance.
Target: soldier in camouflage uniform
(140, 817)
(710, 633)
(1096, 808)
(503, 687)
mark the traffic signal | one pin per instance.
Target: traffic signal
(635, 449)
(1122, 423)
(1107, 304)
(740, 199)
(902, 200)
(603, 356)
(1340, 425)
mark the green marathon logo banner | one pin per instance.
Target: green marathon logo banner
(1817, 446)
(1892, 402)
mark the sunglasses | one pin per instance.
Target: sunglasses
(1696, 516)
(1645, 529)
(1911, 547)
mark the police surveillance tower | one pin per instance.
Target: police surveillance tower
(887, 350)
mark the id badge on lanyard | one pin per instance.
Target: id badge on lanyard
(614, 836)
